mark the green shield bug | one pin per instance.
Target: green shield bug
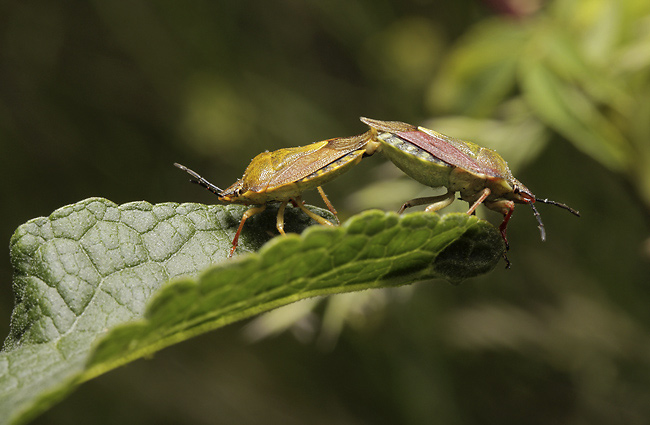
(478, 174)
(282, 175)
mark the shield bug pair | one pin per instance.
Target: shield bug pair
(283, 175)
(478, 174)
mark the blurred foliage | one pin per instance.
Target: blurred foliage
(582, 68)
(100, 98)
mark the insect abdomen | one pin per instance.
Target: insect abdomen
(414, 161)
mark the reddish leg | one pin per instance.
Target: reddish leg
(506, 208)
(503, 227)
(248, 214)
(504, 224)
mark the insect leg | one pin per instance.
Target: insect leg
(484, 194)
(315, 217)
(505, 258)
(437, 202)
(441, 202)
(506, 208)
(504, 224)
(280, 222)
(248, 214)
(328, 203)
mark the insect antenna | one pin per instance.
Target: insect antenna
(539, 217)
(542, 230)
(566, 207)
(197, 179)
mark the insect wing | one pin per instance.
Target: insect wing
(263, 171)
(489, 161)
(388, 126)
(455, 152)
(439, 146)
(311, 158)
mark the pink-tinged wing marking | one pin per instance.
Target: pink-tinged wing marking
(443, 150)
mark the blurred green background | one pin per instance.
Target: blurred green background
(99, 98)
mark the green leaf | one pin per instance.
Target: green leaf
(88, 280)
(571, 113)
(480, 72)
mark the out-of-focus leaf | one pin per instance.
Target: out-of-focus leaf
(480, 72)
(88, 280)
(579, 67)
(640, 134)
(565, 109)
(406, 52)
(555, 47)
(519, 140)
(634, 56)
(599, 27)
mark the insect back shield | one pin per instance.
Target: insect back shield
(479, 175)
(283, 175)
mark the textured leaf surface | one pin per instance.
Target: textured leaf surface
(88, 280)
